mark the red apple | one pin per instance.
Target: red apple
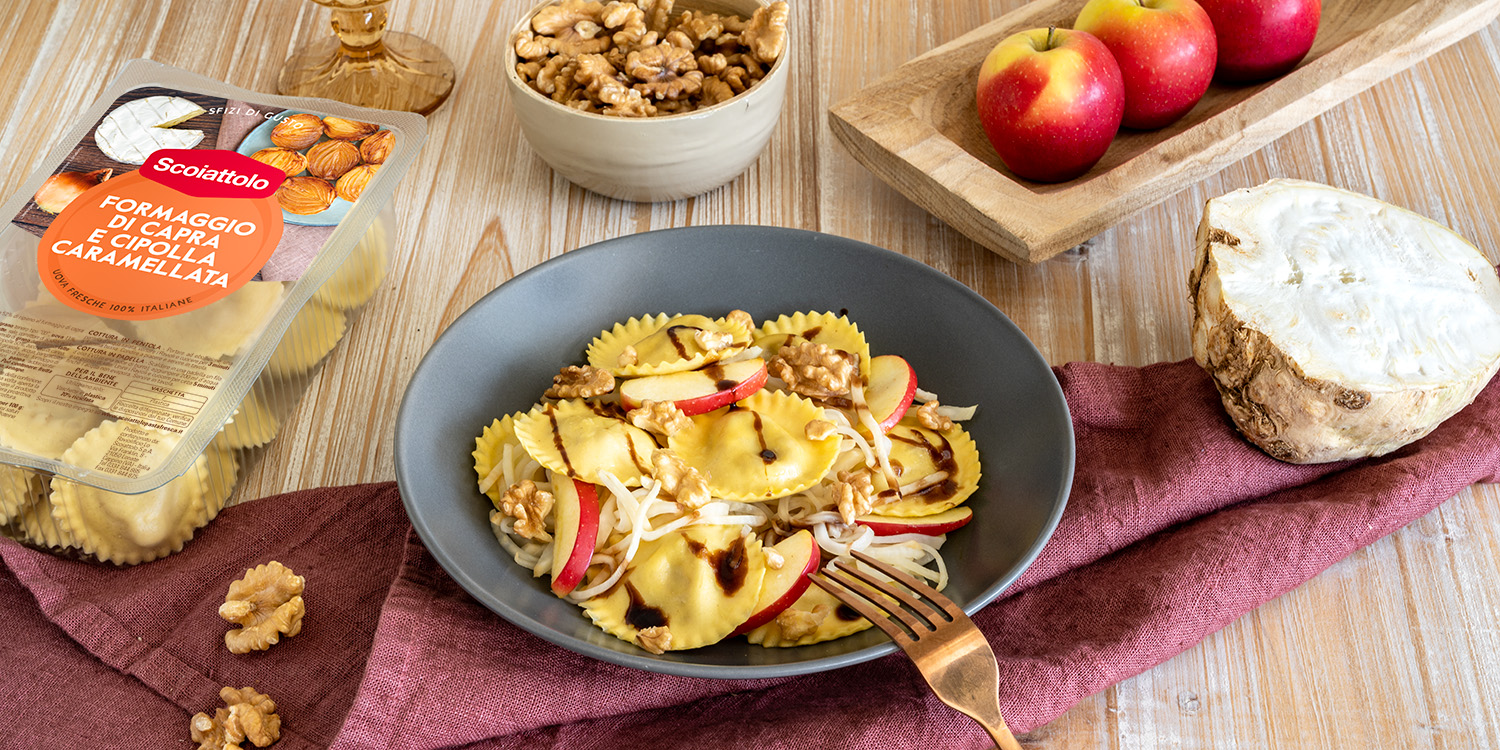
(697, 391)
(1166, 50)
(1050, 101)
(782, 586)
(1261, 39)
(575, 530)
(937, 523)
(893, 384)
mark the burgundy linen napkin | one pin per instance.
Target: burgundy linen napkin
(1175, 527)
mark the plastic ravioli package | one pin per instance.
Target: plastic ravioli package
(170, 281)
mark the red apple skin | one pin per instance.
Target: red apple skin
(1166, 50)
(792, 548)
(567, 579)
(1261, 39)
(903, 402)
(1050, 101)
(707, 402)
(938, 523)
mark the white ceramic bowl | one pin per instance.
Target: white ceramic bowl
(651, 159)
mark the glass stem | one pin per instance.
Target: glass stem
(359, 31)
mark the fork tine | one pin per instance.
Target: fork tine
(931, 616)
(953, 611)
(863, 585)
(862, 605)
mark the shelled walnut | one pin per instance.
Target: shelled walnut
(587, 381)
(250, 717)
(639, 59)
(679, 481)
(814, 370)
(266, 604)
(529, 505)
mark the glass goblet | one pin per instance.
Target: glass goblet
(364, 64)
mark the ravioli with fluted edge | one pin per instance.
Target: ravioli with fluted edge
(682, 484)
(573, 438)
(130, 529)
(938, 470)
(834, 331)
(757, 449)
(663, 344)
(815, 617)
(687, 589)
(495, 453)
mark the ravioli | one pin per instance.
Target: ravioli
(358, 278)
(43, 428)
(130, 529)
(223, 328)
(311, 336)
(757, 449)
(19, 488)
(833, 331)
(46, 308)
(489, 452)
(835, 621)
(664, 344)
(252, 425)
(918, 452)
(580, 440)
(38, 527)
(699, 583)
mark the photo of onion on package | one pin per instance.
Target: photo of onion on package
(170, 279)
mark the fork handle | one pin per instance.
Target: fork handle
(1000, 733)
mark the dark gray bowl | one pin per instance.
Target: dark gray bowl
(502, 353)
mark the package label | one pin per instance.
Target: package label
(141, 246)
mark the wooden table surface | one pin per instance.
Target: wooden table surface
(1396, 646)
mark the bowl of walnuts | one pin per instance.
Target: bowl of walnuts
(647, 100)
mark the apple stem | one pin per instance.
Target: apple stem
(1050, 31)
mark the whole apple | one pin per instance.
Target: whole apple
(1262, 39)
(1050, 101)
(1166, 50)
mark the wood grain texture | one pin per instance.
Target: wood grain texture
(1396, 646)
(918, 129)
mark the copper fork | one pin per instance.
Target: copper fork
(940, 639)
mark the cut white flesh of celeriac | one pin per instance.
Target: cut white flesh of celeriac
(1335, 325)
(131, 131)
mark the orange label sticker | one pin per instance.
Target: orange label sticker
(133, 248)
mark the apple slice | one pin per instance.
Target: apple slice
(697, 391)
(893, 384)
(780, 587)
(937, 523)
(575, 530)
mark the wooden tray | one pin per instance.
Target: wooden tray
(918, 129)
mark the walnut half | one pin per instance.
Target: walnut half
(580, 382)
(928, 416)
(266, 604)
(250, 715)
(529, 505)
(815, 370)
(679, 481)
(855, 494)
(656, 639)
(660, 417)
(799, 623)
